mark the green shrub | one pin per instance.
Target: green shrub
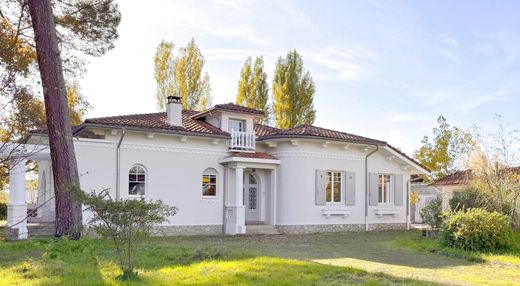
(432, 214)
(468, 198)
(477, 230)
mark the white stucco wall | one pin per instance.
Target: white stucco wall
(296, 183)
(174, 171)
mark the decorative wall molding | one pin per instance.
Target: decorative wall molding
(320, 155)
(170, 149)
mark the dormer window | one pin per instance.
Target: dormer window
(236, 125)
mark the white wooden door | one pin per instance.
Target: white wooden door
(252, 198)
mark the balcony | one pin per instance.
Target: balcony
(242, 141)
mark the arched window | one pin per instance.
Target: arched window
(209, 183)
(137, 181)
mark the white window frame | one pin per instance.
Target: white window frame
(341, 181)
(382, 190)
(241, 123)
(210, 172)
(145, 181)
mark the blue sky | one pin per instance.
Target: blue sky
(383, 69)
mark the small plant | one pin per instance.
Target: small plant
(477, 230)
(432, 214)
(125, 222)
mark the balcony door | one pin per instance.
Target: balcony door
(235, 125)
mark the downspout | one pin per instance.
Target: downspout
(408, 185)
(366, 186)
(118, 165)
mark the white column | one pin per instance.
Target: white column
(239, 186)
(17, 207)
(274, 194)
(235, 220)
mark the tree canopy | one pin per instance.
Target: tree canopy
(253, 90)
(447, 150)
(181, 76)
(293, 92)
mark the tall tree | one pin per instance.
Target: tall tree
(189, 82)
(164, 66)
(64, 166)
(253, 90)
(293, 92)
(447, 150)
(85, 28)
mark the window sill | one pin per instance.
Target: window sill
(342, 213)
(387, 212)
(209, 199)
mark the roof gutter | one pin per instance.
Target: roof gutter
(366, 185)
(118, 165)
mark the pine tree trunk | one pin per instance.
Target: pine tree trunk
(64, 167)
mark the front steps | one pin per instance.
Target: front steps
(253, 229)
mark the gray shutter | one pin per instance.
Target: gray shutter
(398, 190)
(373, 185)
(321, 185)
(350, 188)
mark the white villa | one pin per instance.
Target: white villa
(230, 175)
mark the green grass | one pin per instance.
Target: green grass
(170, 261)
(385, 258)
(505, 256)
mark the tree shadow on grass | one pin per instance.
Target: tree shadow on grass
(372, 246)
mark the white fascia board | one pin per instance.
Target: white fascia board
(250, 160)
(420, 169)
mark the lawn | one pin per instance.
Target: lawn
(386, 258)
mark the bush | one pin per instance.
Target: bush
(468, 198)
(125, 221)
(432, 214)
(477, 230)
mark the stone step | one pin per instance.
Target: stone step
(261, 229)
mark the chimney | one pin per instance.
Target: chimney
(174, 110)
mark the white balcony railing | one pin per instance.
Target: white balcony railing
(242, 141)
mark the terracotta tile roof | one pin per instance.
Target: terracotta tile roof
(464, 177)
(318, 132)
(230, 107)
(264, 130)
(157, 122)
(256, 155)
(457, 178)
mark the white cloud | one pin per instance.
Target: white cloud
(449, 41)
(348, 64)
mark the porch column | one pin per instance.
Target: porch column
(235, 212)
(17, 207)
(239, 186)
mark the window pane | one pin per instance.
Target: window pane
(209, 185)
(136, 181)
(209, 190)
(136, 188)
(252, 198)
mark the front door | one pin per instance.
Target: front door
(252, 198)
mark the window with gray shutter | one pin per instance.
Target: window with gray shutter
(373, 189)
(321, 185)
(398, 190)
(350, 188)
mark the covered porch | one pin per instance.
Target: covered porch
(22, 211)
(250, 192)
